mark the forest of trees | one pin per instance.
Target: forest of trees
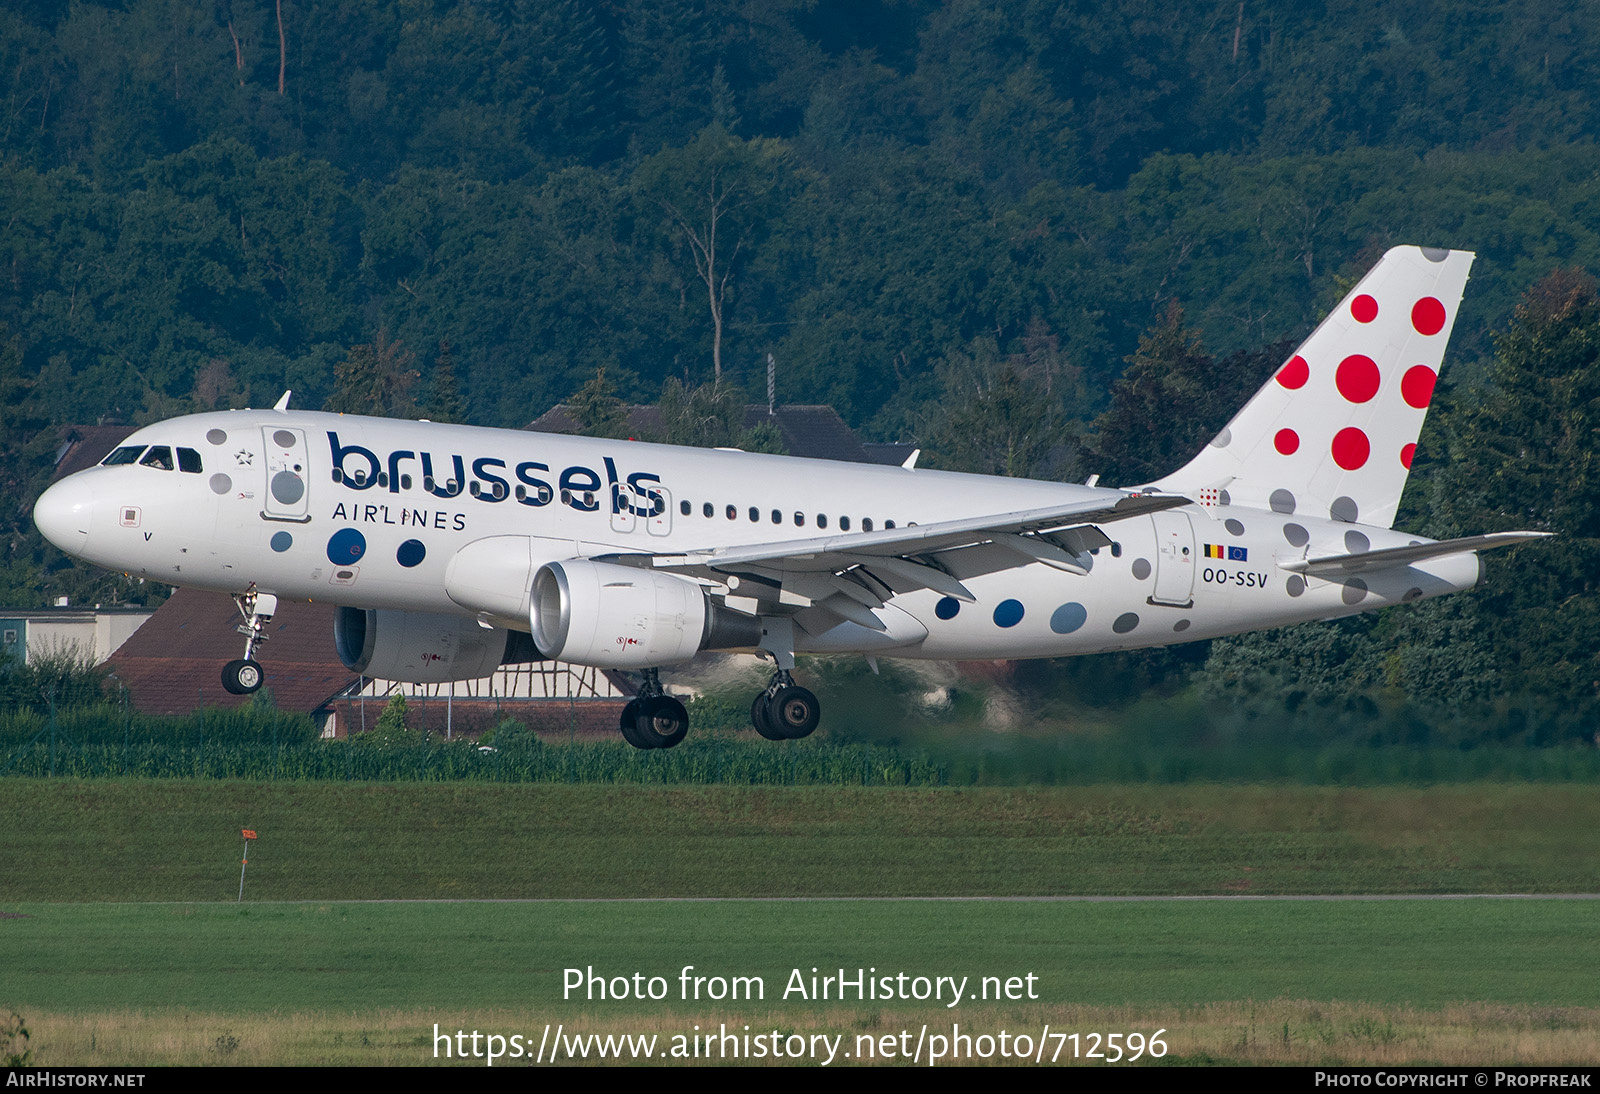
(1036, 237)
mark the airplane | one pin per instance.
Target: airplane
(450, 550)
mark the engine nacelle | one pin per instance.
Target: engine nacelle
(420, 647)
(599, 613)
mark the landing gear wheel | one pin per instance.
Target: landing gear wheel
(662, 721)
(794, 712)
(242, 677)
(759, 719)
(630, 732)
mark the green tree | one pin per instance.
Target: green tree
(376, 378)
(597, 410)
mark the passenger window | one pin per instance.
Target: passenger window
(158, 456)
(685, 508)
(866, 524)
(733, 512)
(755, 514)
(799, 520)
(777, 517)
(122, 456)
(706, 509)
(822, 520)
(888, 524)
(844, 524)
(189, 461)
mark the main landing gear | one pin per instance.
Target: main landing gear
(655, 719)
(785, 711)
(244, 676)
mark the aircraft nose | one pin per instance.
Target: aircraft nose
(63, 513)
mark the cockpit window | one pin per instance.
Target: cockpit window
(124, 455)
(158, 456)
(189, 461)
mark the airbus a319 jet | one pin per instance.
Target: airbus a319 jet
(451, 550)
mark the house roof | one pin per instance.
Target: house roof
(816, 432)
(83, 446)
(173, 664)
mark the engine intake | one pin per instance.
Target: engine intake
(423, 648)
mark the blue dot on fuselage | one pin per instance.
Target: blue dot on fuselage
(1068, 618)
(346, 546)
(1008, 613)
(947, 608)
(411, 552)
(281, 541)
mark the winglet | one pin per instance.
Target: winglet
(911, 460)
(283, 403)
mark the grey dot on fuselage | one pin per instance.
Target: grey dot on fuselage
(1281, 501)
(1125, 622)
(1296, 535)
(1356, 543)
(1141, 568)
(1221, 440)
(1234, 527)
(1435, 254)
(1345, 509)
(287, 487)
(1355, 591)
(1181, 625)
(1295, 585)
(220, 483)
(1225, 498)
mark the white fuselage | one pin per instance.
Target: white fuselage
(361, 512)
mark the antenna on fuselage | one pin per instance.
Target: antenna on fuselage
(283, 403)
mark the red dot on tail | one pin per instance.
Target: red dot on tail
(1357, 378)
(1417, 385)
(1287, 441)
(1406, 453)
(1427, 315)
(1364, 308)
(1294, 374)
(1351, 448)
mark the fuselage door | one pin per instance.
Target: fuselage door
(657, 505)
(1174, 559)
(287, 468)
(623, 518)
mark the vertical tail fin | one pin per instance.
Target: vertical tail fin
(1334, 430)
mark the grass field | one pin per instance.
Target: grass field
(104, 973)
(131, 840)
(1390, 981)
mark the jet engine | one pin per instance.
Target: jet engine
(599, 613)
(423, 648)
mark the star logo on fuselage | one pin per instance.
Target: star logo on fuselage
(243, 456)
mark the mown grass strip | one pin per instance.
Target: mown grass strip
(463, 959)
(131, 840)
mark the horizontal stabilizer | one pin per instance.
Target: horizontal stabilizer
(1334, 566)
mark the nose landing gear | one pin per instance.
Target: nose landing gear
(244, 675)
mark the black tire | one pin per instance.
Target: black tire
(662, 721)
(760, 718)
(630, 732)
(242, 677)
(794, 712)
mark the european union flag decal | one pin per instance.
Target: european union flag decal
(1238, 554)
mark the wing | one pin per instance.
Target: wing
(828, 579)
